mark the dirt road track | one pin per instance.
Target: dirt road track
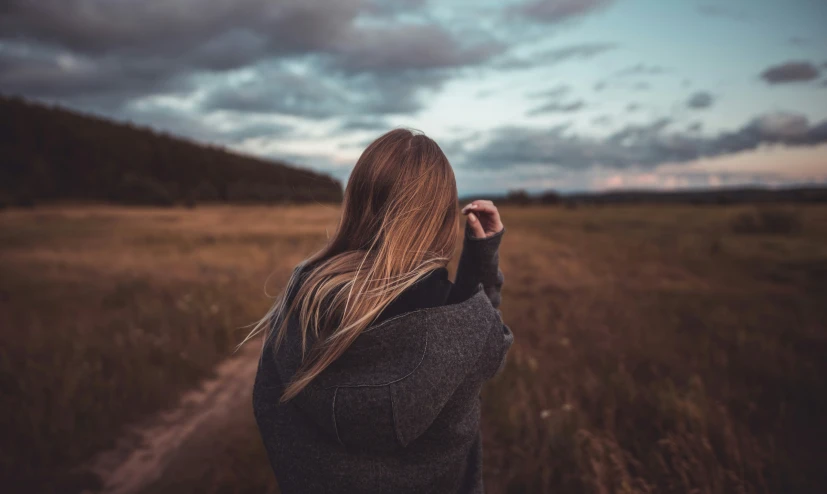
(142, 456)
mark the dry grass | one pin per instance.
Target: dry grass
(108, 314)
(657, 350)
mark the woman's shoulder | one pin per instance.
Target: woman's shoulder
(396, 378)
(410, 367)
(298, 275)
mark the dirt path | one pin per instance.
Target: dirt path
(143, 454)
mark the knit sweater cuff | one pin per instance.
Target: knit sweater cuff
(484, 247)
(479, 263)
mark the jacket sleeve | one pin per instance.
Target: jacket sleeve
(453, 354)
(479, 263)
(497, 346)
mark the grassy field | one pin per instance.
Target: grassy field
(108, 314)
(657, 349)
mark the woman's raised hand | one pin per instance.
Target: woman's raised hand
(483, 218)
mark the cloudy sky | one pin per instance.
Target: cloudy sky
(534, 94)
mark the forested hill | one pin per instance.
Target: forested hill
(52, 154)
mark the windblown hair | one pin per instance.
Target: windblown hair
(399, 221)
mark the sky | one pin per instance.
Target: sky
(570, 95)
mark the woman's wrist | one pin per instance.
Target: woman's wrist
(493, 237)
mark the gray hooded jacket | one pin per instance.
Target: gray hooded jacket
(399, 411)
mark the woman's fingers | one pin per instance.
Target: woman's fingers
(476, 227)
(489, 208)
(486, 217)
(479, 204)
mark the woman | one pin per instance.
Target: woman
(370, 374)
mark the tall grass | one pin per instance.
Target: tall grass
(766, 221)
(108, 314)
(656, 349)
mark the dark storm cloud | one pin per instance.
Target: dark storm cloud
(279, 91)
(551, 11)
(393, 93)
(166, 28)
(44, 73)
(556, 107)
(110, 52)
(792, 71)
(408, 47)
(646, 145)
(700, 100)
(129, 49)
(318, 95)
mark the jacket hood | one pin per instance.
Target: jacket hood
(404, 368)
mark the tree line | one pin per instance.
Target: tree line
(49, 154)
(709, 196)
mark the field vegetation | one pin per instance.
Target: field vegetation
(657, 348)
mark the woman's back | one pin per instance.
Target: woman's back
(399, 410)
(371, 370)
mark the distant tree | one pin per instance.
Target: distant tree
(205, 192)
(143, 191)
(24, 200)
(52, 153)
(550, 197)
(519, 197)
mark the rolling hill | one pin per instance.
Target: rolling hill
(51, 154)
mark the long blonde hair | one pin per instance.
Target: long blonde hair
(399, 221)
